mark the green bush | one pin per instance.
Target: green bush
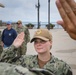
(29, 25)
(51, 25)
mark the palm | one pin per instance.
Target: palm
(67, 10)
(19, 40)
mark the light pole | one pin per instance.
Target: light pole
(48, 14)
(38, 7)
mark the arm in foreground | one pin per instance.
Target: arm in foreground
(9, 69)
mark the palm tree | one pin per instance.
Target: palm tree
(1, 5)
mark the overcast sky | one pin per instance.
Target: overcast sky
(26, 11)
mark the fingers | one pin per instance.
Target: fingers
(63, 14)
(19, 40)
(72, 4)
(72, 35)
(64, 10)
(67, 15)
(62, 24)
(68, 10)
(21, 35)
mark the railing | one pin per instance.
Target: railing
(42, 24)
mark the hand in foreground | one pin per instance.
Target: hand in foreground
(67, 10)
(19, 40)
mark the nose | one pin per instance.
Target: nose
(38, 43)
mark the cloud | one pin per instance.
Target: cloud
(25, 10)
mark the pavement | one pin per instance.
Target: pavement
(63, 47)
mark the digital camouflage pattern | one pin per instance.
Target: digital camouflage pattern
(9, 69)
(23, 48)
(56, 66)
(1, 49)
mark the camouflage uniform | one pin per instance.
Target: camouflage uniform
(23, 48)
(1, 49)
(56, 66)
(9, 69)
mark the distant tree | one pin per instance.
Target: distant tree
(51, 26)
(29, 25)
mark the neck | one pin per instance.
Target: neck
(8, 28)
(44, 57)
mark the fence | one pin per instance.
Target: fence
(42, 24)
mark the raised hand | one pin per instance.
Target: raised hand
(67, 10)
(19, 40)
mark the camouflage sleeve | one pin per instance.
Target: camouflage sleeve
(8, 54)
(67, 70)
(27, 35)
(9, 69)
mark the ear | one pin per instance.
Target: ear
(50, 44)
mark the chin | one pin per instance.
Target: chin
(40, 52)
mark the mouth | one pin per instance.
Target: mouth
(39, 48)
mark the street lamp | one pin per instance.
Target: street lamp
(38, 7)
(48, 14)
(1, 5)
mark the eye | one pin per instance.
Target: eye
(35, 41)
(42, 41)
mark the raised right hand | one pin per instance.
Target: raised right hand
(19, 40)
(67, 10)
